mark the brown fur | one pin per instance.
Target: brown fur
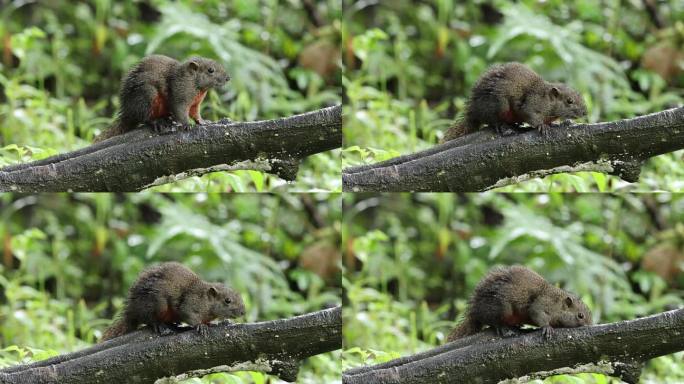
(160, 87)
(512, 94)
(513, 296)
(170, 293)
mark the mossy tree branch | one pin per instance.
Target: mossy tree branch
(275, 347)
(617, 349)
(141, 158)
(484, 160)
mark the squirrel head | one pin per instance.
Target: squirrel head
(573, 313)
(207, 73)
(566, 103)
(225, 303)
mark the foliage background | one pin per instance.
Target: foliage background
(62, 62)
(410, 66)
(412, 260)
(68, 260)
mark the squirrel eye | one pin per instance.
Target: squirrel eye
(570, 101)
(580, 315)
(211, 70)
(227, 300)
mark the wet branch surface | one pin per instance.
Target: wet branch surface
(484, 160)
(274, 347)
(140, 158)
(617, 349)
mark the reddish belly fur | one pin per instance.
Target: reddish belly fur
(160, 107)
(515, 319)
(509, 117)
(168, 316)
(194, 107)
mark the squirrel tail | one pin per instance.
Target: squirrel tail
(461, 127)
(468, 326)
(455, 131)
(118, 328)
(115, 129)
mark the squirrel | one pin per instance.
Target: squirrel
(511, 94)
(515, 295)
(159, 87)
(170, 293)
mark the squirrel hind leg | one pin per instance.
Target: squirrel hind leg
(162, 329)
(505, 330)
(163, 125)
(202, 329)
(544, 129)
(142, 104)
(505, 129)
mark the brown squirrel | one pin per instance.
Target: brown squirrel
(512, 94)
(515, 295)
(170, 293)
(159, 87)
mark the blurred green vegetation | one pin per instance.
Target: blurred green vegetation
(62, 61)
(410, 66)
(412, 260)
(68, 260)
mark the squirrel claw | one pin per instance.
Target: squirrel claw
(547, 332)
(565, 123)
(503, 129)
(185, 126)
(504, 331)
(161, 126)
(544, 130)
(202, 329)
(162, 329)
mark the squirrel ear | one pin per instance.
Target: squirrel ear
(555, 92)
(194, 65)
(213, 292)
(568, 301)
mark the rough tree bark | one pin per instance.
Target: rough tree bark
(141, 158)
(483, 160)
(617, 349)
(275, 347)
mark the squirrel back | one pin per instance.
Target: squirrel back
(170, 293)
(513, 296)
(511, 94)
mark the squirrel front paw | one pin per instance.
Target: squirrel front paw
(547, 332)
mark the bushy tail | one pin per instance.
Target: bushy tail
(115, 129)
(118, 328)
(458, 129)
(468, 326)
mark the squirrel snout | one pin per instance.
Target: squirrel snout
(222, 81)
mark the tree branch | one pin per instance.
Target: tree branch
(140, 158)
(275, 347)
(484, 160)
(617, 349)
